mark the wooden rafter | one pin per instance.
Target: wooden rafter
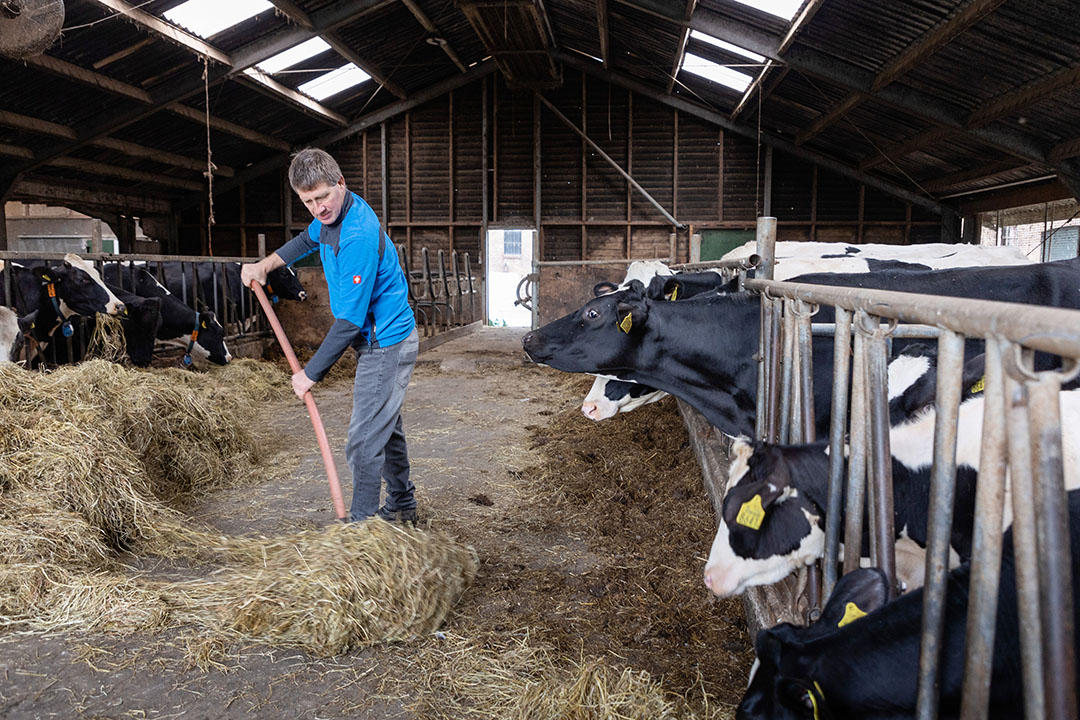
(684, 36)
(985, 172)
(229, 127)
(602, 29)
(197, 45)
(96, 168)
(930, 42)
(1067, 149)
(1024, 96)
(433, 30)
(894, 152)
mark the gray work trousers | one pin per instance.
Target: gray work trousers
(376, 447)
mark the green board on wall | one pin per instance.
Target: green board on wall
(715, 243)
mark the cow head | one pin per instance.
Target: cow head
(79, 288)
(768, 527)
(210, 342)
(787, 680)
(596, 338)
(11, 332)
(608, 397)
(140, 329)
(284, 283)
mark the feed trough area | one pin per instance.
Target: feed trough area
(171, 549)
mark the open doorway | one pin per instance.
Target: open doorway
(509, 259)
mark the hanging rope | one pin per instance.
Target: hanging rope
(210, 167)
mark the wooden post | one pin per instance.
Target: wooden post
(537, 215)
(675, 164)
(243, 221)
(95, 236)
(386, 184)
(720, 185)
(629, 164)
(494, 150)
(813, 203)
(3, 226)
(286, 201)
(363, 149)
(262, 244)
(584, 173)
(484, 169)
(450, 134)
(907, 224)
(408, 183)
(862, 200)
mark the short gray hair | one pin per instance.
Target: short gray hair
(312, 166)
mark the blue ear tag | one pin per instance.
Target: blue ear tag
(66, 329)
(187, 359)
(274, 299)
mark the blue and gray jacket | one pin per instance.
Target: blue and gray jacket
(368, 293)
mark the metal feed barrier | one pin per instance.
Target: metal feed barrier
(1021, 432)
(440, 299)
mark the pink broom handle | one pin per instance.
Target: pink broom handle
(316, 421)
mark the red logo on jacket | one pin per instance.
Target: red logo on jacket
(355, 279)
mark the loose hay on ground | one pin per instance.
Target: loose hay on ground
(94, 455)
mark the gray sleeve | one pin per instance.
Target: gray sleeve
(297, 248)
(339, 337)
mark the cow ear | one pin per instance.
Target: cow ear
(26, 322)
(604, 288)
(630, 315)
(857, 594)
(974, 376)
(208, 317)
(672, 289)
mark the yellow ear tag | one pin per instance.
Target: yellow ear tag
(675, 292)
(979, 386)
(626, 323)
(203, 324)
(751, 514)
(851, 614)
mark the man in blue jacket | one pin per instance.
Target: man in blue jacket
(368, 298)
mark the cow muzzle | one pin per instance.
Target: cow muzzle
(115, 308)
(302, 295)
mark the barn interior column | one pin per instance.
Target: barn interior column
(3, 227)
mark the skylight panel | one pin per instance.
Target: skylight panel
(726, 46)
(209, 17)
(294, 55)
(780, 8)
(334, 82)
(715, 72)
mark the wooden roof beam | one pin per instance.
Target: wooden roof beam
(96, 168)
(848, 76)
(930, 42)
(917, 142)
(60, 193)
(174, 34)
(989, 171)
(193, 83)
(1025, 95)
(231, 128)
(1067, 149)
(16, 151)
(424, 20)
(295, 13)
(684, 36)
(602, 29)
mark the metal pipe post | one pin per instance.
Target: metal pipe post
(838, 423)
(766, 247)
(1025, 547)
(774, 371)
(942, 490)
(986, 541)
(803, 313)
(786, 381)
(1055, 577)
(856, 486)
(880, 464)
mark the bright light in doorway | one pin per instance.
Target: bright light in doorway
(209, 17)
(294, 55)
(726, 46)
(780, 8)
(715, 72)
(334, 82)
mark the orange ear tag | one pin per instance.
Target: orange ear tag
(626, 323)
(751, 514)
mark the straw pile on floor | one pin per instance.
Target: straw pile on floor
(92, 461)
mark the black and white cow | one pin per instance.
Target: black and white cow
(219, 290)
(701, 349)
(609, 396)
(787, 487)
(199, 333)
(847, 665)
(12, 330)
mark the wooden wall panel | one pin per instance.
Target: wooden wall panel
(792, 188)
(430, 144)
(742, 178)
(605, 242)
(653, 152)
(374, 182)
(395, 139)
(513, 156)
(606, 123)
(562, 242)
(647, 242)
(560, 188)
(468, 156)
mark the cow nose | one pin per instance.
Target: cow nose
(529, 342)
(589, 410)
(121, 309)
(715, 582)
(302, 296)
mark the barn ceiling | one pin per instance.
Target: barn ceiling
(930, 99)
